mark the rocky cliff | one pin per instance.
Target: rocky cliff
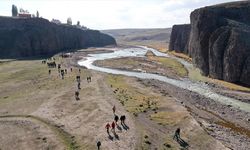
(36, 36)
(219, 41)
(179, 38)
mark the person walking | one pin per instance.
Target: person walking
(79, 85)
(177, 134)
(114, 109)
(107, 127)
(113, 126)
(123, 118)
(116, 119)
(98, 144)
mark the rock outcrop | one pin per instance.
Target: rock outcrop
(21, 37)
(179, 38)
(219, 41)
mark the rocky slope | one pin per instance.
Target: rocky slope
(20, 37)
(179, 38)
(219, 41)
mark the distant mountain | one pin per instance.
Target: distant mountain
(22, 37)
(141, 36)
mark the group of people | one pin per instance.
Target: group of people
(114, 124)
(78, 80)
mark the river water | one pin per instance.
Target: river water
(140, 51)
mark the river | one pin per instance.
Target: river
(140, 51)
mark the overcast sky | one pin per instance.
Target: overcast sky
(112, 14)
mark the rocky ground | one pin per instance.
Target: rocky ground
(39, 111)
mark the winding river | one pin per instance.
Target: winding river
(140, 51)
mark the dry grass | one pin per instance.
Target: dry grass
(173, 64)
(180, 55)
(131, 97)
(169, 118)
(195, 75)
(229, 85)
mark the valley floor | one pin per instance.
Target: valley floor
(39, 111)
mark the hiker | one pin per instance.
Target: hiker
(77, 95)
(62, 74)
(123, 118)
(59, 66)
(49, 71)
(88, 79)
(79, 85)
(71, 70)
(98, 144)
(113, 126)
(116, 119)
(107, 127)
(78, 78)
(65, 70)
(177, 134)
(114, 109)
(79, 70)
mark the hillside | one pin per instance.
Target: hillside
(21, 37)
(150, 37)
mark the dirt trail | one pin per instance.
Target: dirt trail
(86, 118)
(38, 135)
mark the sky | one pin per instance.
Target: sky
(112, 14)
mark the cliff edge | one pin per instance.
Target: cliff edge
(22, 37)
(219, 41)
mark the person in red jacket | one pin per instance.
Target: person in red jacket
(107, 127)
(113, 126)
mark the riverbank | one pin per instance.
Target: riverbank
(221, 121)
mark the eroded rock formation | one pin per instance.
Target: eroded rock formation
(179, 38)
(219, 41)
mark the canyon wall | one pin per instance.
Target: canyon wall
(21, 37)
(219, 41)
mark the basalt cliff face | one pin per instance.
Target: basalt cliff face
(179, 38)
(21, 37)
(219, 41)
